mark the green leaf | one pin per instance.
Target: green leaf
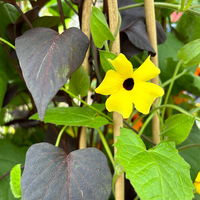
(190, 53)
(172, 44)
(10, 155)
(157, 173)
(104, 56)
(44, 21)
(52, 7)
(196, 197)
(178, 127)
(73, 116)
(15, 180)
(3, 86)
(8, 14)
(190, 83)
(79, 82)
(99, 28)
(191, 155)
(188, 27)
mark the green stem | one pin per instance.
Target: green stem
(8, 43)
(85, 103)
(156, 4)
(171, 86)
(175, 78)
(106, 46)
(160, 5)
(146, 123)
(182, 4)
(195, 6)
(106, 146)
(188, 146)
(60, 135)
(181, 110)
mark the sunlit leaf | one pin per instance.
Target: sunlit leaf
(157, 173)
(73, 116)
(15, 180)
(99, 28)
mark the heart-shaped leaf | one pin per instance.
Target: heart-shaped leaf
(47, 59)
(99, 28)
(51, 174)
(157, 173)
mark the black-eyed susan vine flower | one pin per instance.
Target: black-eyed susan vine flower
(127, 86)
(197, 183)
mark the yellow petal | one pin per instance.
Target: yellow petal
(111, 83)
(122, 65)
(198, 177)
(144, 94)
(146, 71)
(120, 102)
(197, 183)
(197, 187)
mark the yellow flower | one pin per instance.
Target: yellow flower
(197, 183)
(127, 86)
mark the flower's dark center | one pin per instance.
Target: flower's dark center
(128, 84)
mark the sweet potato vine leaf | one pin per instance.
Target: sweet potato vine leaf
(133, 33)
(157, 173)
(50, 173)
(47, 59)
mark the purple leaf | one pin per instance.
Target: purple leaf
(47, 59)
(133, 33)
(51, 174)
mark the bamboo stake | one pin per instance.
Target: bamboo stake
(117, 118)
(151, 29)
(86, 13)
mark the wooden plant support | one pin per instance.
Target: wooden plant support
(151, 29)
(117, 118)
(85, 26)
